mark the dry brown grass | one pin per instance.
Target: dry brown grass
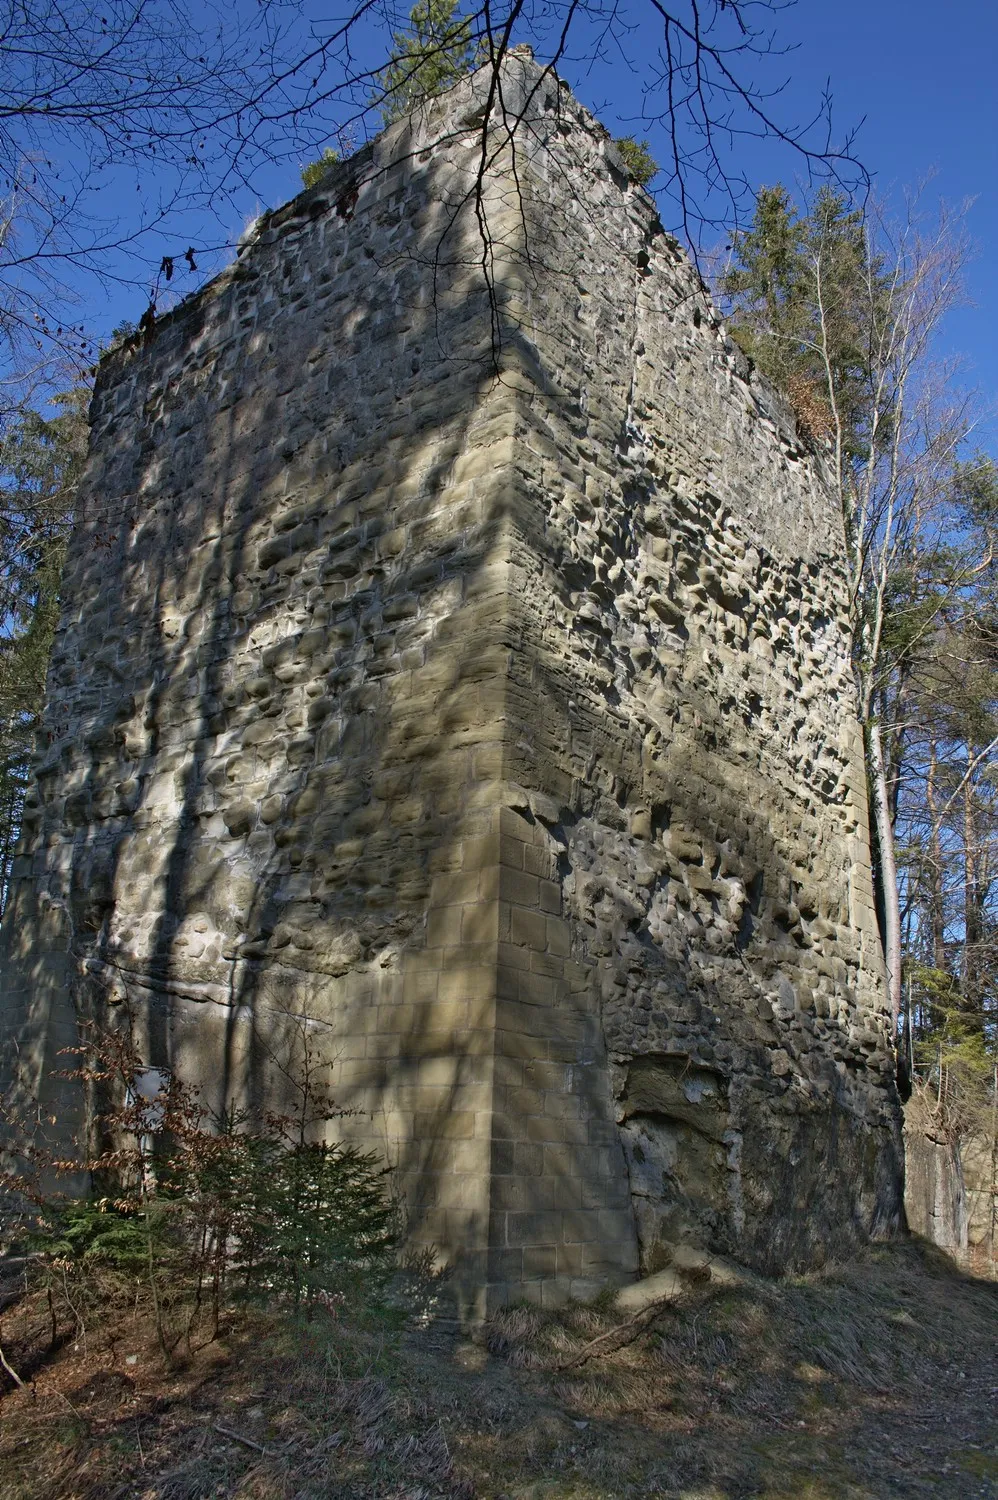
(877, 1379)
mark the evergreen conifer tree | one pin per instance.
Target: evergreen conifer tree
(436, 50)
(799, 294)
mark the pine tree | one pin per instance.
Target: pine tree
(766, 287)
(799, 295)
(435, 51)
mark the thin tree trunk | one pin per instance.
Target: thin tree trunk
(971, 913)
(994, 1163)
(936, 907)
(888, 872)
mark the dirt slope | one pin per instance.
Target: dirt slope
(877, 1379)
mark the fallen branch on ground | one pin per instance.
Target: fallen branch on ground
(623, 1334)
(237, 1437)
(15, 1377)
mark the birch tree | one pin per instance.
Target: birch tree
(842, 309)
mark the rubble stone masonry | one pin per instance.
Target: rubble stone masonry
(454, 655)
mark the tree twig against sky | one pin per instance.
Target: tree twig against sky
(170, 111)
(90, 89)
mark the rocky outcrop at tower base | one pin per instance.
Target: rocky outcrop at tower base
(459, 660)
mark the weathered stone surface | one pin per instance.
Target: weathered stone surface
(464, 666)
(935, 1193)
(662, 1286)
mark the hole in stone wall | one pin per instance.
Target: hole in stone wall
(750, 912)
(674, 1118)
(661, 817)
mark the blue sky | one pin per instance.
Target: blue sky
(915, 82)
(918, 80)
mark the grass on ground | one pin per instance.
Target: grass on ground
(877, 1378)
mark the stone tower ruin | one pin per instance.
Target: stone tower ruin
(454, 655)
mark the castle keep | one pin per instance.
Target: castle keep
(454, 654)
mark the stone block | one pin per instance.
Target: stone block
(537, 861)
(455, 887)
(473, 984)
(517, 887)
(512, 824)
(520, 1102)
(512, 957)
(558, 937)
(522, 1229)
(527, 929)
(480, 853)
(562, 1106)
(506, 1265)
(540, 1262)
(546, 1130)
(480, 923)
(444, 927)
(517, 1041)
(548, 964)
(512, 1194)
(444, 1124)
(549, 896)
(537, 989)
(529, 1159)
(548, 1076)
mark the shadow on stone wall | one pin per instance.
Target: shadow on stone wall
(292, 703)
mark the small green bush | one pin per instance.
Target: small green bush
(94, 1232)
(198, 1213)
(641, 165)
(315, 171)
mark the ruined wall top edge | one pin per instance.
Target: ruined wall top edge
(530, 98)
